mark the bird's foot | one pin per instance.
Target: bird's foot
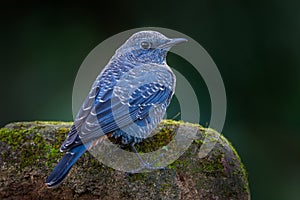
(146, 165)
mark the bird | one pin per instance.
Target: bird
(127, 100)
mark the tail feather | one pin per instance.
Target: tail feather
(62, 169)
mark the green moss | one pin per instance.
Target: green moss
(199, 141)
(165, 186)
(29, 145)
(179, 164)
(137, 177)
(52, 122)
(212, 166)
(159, 140)
(165, 133)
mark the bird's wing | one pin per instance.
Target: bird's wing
(73, 137)
(129, 101)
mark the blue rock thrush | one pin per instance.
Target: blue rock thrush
(127, 100)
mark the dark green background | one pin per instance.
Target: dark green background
(255, 45)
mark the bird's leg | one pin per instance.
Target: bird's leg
(137, 154)
(145, 165)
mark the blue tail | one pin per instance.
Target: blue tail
(65, 164)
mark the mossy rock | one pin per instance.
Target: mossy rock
(30, 150)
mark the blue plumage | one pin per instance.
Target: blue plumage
(65, 164)
(128, 99)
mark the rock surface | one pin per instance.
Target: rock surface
(30, 150)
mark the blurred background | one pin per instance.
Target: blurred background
(255, 44)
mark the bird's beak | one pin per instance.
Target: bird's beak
(172, 42)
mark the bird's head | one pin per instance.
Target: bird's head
(147, 47)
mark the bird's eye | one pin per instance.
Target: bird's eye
(145, 45)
